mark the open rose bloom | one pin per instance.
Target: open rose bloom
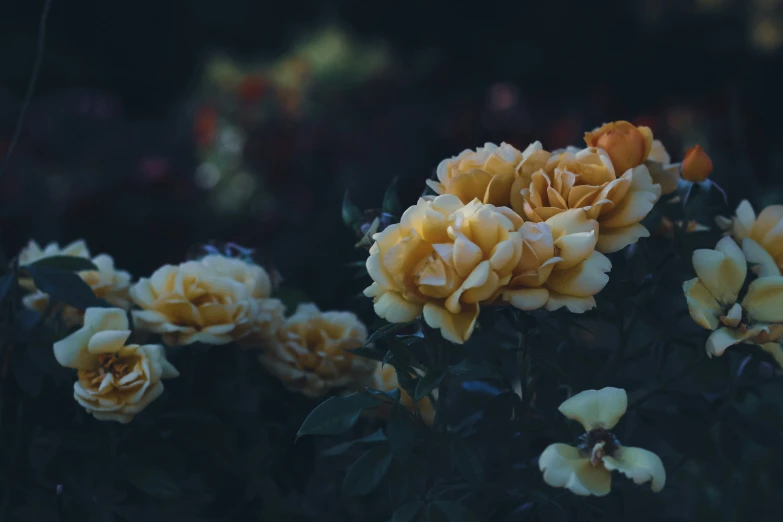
(586, 469)
(116, 381)
(714, 299)
(444, 260)
(107, 282)
(761, 237)
(310, 353)
(215, 300)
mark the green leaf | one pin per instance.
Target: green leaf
(64, 286)
(351, 213)
(428, 383)
(376, 436)
(336, 414)
(392, 395)
(385, 330)
(407, 512)
(391, 201)
(400, 433)
(70, 263)
(366, 473)
(469, 464)
(456, 512)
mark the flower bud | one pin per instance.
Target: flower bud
(697, 165)
(627, 145)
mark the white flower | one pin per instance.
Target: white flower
(713, 299)
(586, 469)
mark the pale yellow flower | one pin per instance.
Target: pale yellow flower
(761, 237)
(488, 173)
(215, 300)
(713, 299)
(385, 379)
(310, 354)
(558, 266)
(586, 469)
(442, 260)
(116, 381)
(107, 282)
(587, 179)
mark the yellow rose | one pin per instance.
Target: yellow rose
(558, 266)
(761, 238)
(586, 469)
(713, 299)
(385, 379)
(107, 282)
(441, 261)
(627, 145)
(116, 381)
(586, 179)
(215, 300)
(310, 354)
(488, 173)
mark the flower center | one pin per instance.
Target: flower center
(598, 443)
(110, 363)
(735, 317)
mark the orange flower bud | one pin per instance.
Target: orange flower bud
(697, 165)
(627, 145)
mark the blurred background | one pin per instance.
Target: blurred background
(157, 126)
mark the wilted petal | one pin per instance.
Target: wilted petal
(456, 328)
(764, 300)
(638, 465)
(596, 408)
(703, 307)
(722, 270)
(395, 309)
(565, 467)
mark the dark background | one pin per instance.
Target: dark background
(107, 150)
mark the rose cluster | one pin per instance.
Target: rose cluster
(522, 228)
(215, 300)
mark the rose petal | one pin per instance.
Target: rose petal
(723, 338)
(764, 300)
(722, 270)
(584, 280)
(615, 239)
(456, 328)
(703, 307)
(526, 299)
(565, 467)
(395, 309)
(638, 465)
(596, 408)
